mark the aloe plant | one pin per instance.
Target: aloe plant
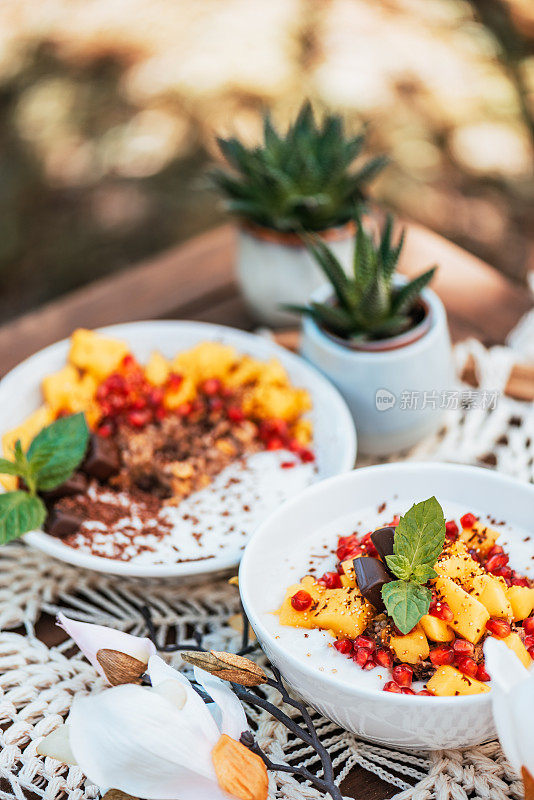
(300, 180)
(369, 304)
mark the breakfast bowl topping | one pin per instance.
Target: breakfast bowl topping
(417, 599)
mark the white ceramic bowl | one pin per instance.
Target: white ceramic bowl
(334, 434)
(329, 681)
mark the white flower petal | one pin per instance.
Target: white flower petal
(233, 718)
(57, 745)
(132, 739)
(173, 691)
(92, 638)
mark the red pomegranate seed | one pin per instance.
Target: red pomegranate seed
(211, 386)
(275, 443)
(425, 693)
(468, 520)
(331, 580)
(495, 550)
(138, 404)
(384, 659)
(288, 464)
(462, 647)
(451, 529)
(365, 641)
(139, 418)
(155, 396)
(301, 601)
(343, 646)
(160, 412)
(406, 690)
(475, 555)
(184, 409)
(518, 581)
(395, 521)
(440, 656)
(128, 360)
(391, 686)
(531, 653)
(441, 610)
(362, 656)
(482, 675)
(467, 665)
(504, 572)
(235, 414)
(498, 627)
(105, 430)
(528, 625)
(403, 674)
(370, 664)
(306, 456)
(496, 562)
(529, 642)
(174, 381)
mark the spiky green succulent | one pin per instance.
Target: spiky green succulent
(300, 180)
(369, 304)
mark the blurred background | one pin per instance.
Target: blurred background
(109, 111)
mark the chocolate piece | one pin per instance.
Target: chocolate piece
(102, 459)
(61, 523)
(371, 575)
(76, 484)
(383, 541)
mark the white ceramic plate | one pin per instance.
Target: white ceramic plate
(334, 434)
(279, 555)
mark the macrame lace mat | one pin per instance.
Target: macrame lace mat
(37, 683)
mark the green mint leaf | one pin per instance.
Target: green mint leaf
(406, 603)
(400, 566)
(9, 468)
(20, 512)
(57, 450)
(423, 573)
(420, 535)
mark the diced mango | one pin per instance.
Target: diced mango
(436, 629)
(513, 641)
(69, 391)
(157, 370)
(412, 648)
(25, 432)
(348, 578)
(448, 681)
(302, 431)
(479, 537)
(343, 611)
(249, 371)
(522, 601)
(458, 565)
(266, 401)
(206, 360)
(98, 355)
(491, 591)
(184, 393)
(469, 615)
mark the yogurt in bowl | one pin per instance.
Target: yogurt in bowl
(301, 539)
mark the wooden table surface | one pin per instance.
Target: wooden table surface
(196, 281)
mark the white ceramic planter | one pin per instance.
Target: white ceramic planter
(274, 269)
(396, 396)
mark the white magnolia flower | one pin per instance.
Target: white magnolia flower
(92, 638)
(512, 694)
(160, 742)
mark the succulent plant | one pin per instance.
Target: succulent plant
(368, 305)
(300, 180)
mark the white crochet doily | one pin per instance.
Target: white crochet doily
(37, 683)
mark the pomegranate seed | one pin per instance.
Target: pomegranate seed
(495, 550)
(440, 656)
(294, 446)
(174, 381)
(235, 414)
(463, 648)
(384, 658)
(451, 529)
(482, 675)
(301, 601)
(275, 443)
(395, 521)
(528, 625)
(105, 430)
(362, 656)
(468, 520)
(155, 397)
(529, 642)
(288, 464)
(160, 412)
(406, 690)
(498, 627)
(441, 610)
(184, 409)
(402, 674)
(518, 581)
(370, 664)
(138, 419)
(277, 427)
(306, 456)
(467, 665)
(496, 562)
(138, 404)
(212, 386)
(128, 360)
(504, 572)
(343, 646)
(364, 641)
(474, 554)
(425, 693)
(531, 652)
(331, 580)
(391, 686)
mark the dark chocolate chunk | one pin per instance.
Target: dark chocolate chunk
(102, 459)
(383, 541)
(371, 575)
(76, 484)
(61, 523)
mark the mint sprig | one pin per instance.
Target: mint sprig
(50, 460)
(418, 541)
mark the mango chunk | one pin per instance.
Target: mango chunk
(69, 391)
(458, 564)
(469, 615)
(348, 578)
(480, 537)
(25, 432)
(157, 370)
(206, 360)
(96, 354)
(184, 393)
(343, 611)
(521, 599)
(411, 648)
(513, 641)
(491, 592)
(448, 681)
(436, 629)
